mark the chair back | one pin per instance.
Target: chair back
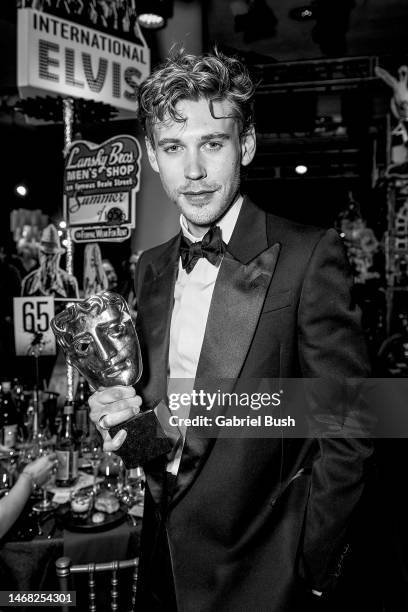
(65, 569)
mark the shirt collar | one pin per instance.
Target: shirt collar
(226, 223)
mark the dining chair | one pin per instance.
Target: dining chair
(65, 569)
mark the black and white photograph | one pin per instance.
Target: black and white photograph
(204, 305)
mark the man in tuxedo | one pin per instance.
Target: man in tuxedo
(235, 523)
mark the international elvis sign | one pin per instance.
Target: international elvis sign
(100, 185)
(59, 57)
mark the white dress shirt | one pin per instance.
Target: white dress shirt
(192, 298)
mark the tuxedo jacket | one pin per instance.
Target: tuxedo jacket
(253, 523)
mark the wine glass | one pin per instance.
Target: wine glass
(5, 474)
(137, 481)
(45, 504)
(121, 481)
(93, 452)
(95, 458)
(110, 469)
(132, 490)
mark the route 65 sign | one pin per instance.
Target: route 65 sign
(32, 332)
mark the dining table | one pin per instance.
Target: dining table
(29, 551)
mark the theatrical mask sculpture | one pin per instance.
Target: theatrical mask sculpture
(99, 339)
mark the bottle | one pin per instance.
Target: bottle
(32, 421)
(20, 402)
(1, 411)
(81, 409)
(58, 419)
(10, 418)
(66, 449)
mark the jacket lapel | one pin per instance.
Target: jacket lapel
(242, 283)
(235, 309)
(157, 296)
(243, 280)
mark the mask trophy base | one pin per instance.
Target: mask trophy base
(145, 439)
(99, 339)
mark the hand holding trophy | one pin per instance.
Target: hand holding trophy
(99, 339)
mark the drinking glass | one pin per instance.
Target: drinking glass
(81, 502)
(45, 504)
(5, 474)
(110, 470)
(92, 451)
(131, 489)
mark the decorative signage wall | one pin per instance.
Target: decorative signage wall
(60, 57)
(100, 185)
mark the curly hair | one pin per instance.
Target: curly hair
(183, 76)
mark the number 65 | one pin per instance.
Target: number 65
(35, 318)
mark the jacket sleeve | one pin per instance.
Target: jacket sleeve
(161, 410)
(332, 349)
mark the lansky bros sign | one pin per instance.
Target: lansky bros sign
(100, 185)
(59, 57)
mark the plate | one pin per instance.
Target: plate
(73, 522)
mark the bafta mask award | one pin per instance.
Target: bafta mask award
(99, 339)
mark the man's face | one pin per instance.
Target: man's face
(105, 348)
(199, 160)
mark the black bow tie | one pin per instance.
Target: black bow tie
(211, 247)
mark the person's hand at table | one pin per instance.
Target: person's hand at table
(112, 406)
(40, 469)
(35, 473)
